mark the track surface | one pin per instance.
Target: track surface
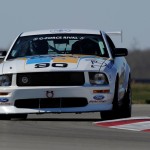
(71, 132)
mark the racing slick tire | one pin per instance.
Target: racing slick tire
(5, 117)
(19, 116)
(13, 116)
(114, 113)
(123, 111)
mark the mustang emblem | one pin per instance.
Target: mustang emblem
(49, 94)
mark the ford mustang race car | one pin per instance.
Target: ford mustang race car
(64, 71)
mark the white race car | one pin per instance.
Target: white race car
(64, 71)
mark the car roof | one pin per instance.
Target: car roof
(61, 31)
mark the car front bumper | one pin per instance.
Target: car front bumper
(95, 101)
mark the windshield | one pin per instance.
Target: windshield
(58, 44)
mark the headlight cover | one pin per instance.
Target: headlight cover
(97, 78)
(5, 80)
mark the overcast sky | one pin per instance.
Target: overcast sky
(130, 16)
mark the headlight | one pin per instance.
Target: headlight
(97, 78)
(5, 80)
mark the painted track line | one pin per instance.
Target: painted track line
(134, 124)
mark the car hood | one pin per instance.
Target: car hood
(54, 63)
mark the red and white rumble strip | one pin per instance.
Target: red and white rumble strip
(134, 123)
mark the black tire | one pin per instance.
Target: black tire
(125, 110)
(114, 113)
(19, 116)
(5, 117)
(13, 116)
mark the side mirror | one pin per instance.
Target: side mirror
(3, 54)
(118, 52)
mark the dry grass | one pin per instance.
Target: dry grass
(140, 93)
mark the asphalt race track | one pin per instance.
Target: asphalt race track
(71, 132)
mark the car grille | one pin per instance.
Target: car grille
(51, 103)
(51, 79)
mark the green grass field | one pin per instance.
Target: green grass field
(140, 93)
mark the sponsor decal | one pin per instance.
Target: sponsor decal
(96, 63)
(60, 30)
(22, 58)
(96, 101)
(4, 100)
(59, 37)
(36, 60)
(65, 60)
(98, 97)
(100, 63)
(5, 103)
